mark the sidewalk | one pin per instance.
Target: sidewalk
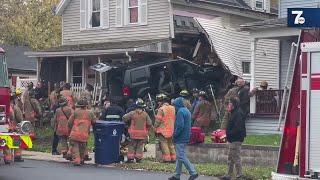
(48, 157)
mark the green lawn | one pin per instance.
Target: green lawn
(209, 169)
(261, 140)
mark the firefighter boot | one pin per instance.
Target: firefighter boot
(18, 159)
(87, 158)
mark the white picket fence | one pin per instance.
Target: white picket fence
(97, 92)
(23, 83)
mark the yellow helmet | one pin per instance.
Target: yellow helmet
(18, 91)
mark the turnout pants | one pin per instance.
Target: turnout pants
(135, 149)
(77, 150)
(63, 144)
(234, 159)
(167, 149)
(8, 154)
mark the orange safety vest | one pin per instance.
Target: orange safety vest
(166, 116)
(62, 122)
(138, 125)
(68, 95)
(81, 126)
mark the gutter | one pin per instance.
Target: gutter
(129, 57)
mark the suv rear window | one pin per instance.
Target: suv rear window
(139, 75)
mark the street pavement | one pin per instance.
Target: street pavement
(43, 170)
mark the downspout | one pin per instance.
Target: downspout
(129, 57)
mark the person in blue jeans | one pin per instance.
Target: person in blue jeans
(181, 137)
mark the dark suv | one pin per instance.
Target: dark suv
(138, 79)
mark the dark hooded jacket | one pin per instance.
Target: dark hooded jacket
(236, 128)
(182, 125)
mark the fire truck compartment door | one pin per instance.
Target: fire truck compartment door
(314, 116)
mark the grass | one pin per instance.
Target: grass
(208, 169)
(261, 140)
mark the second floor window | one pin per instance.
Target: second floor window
(259, 4)
(95, 15)
(133, 11)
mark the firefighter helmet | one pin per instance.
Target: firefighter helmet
(161, 97)
(184, 93)
(82, 103)
(140, 103)
(18, 91)
(203, 94)
(62, 101)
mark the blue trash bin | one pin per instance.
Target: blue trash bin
(107, 135)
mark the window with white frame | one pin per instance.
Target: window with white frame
(94, 16)
(246, 67)
(259, 4)
(133, 7)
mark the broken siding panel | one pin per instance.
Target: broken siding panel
(156, 28)
(284, 4)
(267, 63)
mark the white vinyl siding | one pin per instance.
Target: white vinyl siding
(156, 28)
(285, 4)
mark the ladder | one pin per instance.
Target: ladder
(288, 83)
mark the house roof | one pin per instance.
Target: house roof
(102, 48)
(269, 23)
(233, 3)
(17, 60)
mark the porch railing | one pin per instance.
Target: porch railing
(268, 102)
(97, 92)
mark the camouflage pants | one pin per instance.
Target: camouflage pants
(167, 149)
(234, 159)
(77, 150)
(135, 149)
(63, 144)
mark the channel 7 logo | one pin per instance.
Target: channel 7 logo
(303, 17)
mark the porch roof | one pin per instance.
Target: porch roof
(105, 48)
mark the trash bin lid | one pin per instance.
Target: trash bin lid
(109, 122)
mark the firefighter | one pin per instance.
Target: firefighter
(195, 100)
(18, 100)
(139, 125)
(80, 123)
(67, 93)
(164, 127)
(87, 94)
(186, 101)
(233, 92)
(202, 112)
(61, 127)
(15, 117)
(32, 108)
(25, 95)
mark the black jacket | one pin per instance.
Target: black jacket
(111, 112)
(236, 129)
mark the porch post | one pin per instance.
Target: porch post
(100, 74)
(38, 68)
(68, 69)
(253, 43)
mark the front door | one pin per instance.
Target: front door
(77, 71)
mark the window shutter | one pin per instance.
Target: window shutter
(105, 13)
(119, 13)
(143, 12)
(83, 14)
(126, 17)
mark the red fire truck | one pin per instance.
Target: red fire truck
(4, 89)
(299, 156)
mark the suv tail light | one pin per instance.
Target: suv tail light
(126, 91)
(2, 113)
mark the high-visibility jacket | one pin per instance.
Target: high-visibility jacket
(81, 121)
(140, 123)
(165, 120)
(69, 96)
(61, 118)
